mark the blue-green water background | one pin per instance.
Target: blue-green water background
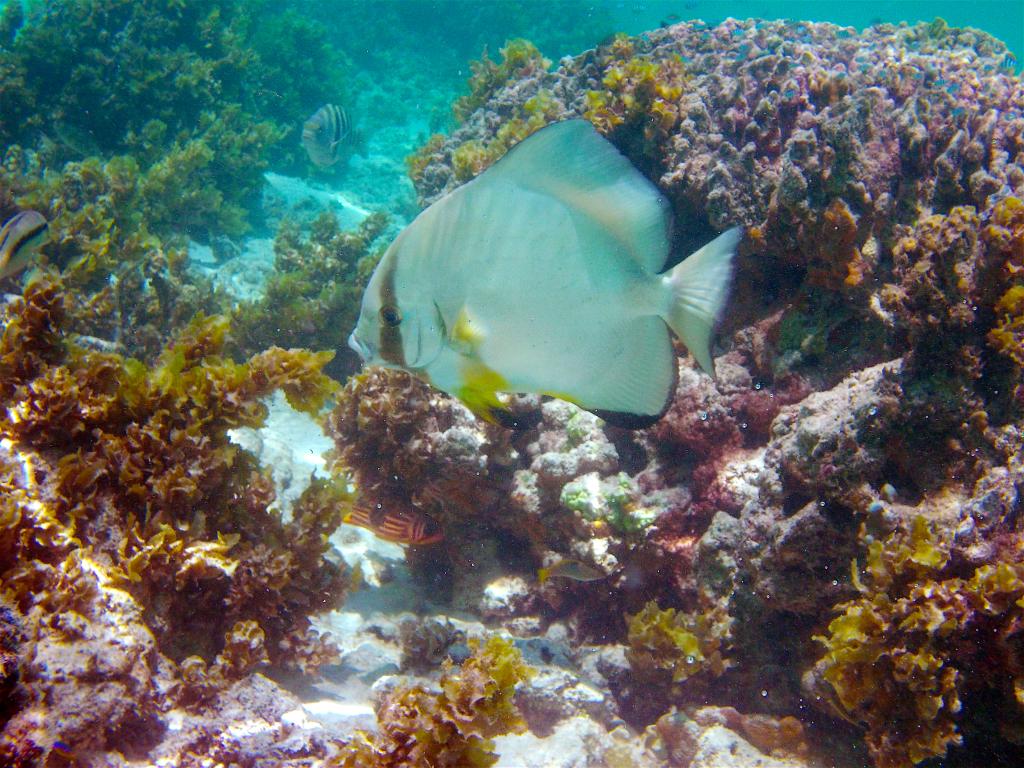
(1004, 20)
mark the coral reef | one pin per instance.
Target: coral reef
(870, 370)
(866, 407)
(519, 58)
(639, 94)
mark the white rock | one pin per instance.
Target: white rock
(292, 444)
(342, 716)
(501, 595)
(718, 747)
(576, 743)
(297, 192)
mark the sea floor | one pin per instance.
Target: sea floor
(568, 705)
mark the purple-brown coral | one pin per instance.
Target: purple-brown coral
(871, 365)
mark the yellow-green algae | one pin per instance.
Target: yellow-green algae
(454, 726)
(669, 645)
(900, 656)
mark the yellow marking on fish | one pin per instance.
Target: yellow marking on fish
(563, 396)
(480, 388)
(543, 575)
(467, 336)
(480, 384)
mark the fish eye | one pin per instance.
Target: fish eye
(390, 315)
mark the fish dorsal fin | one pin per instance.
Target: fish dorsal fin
(573, 163)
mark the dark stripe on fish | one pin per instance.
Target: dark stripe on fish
(391, 349)
(411, 527)
(19, 236)
(323, 132)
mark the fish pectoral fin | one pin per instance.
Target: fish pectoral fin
(467, 334)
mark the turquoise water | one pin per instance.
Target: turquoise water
(1004, 20)
(534, 384)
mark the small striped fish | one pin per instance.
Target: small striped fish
(19, 237)
(322, 134)
(401, 528)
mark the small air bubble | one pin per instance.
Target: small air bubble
(758, 386)
(872, 411)
(835, 582)
(764, 694)
(703, 415)
(691, 659)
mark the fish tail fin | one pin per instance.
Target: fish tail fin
(543, 574)
(700, 286)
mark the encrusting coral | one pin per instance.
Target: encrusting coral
(871, 358)
(453, 726)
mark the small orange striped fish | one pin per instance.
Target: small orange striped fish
(411, 527)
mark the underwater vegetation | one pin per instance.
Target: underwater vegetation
(905, 655)
(866, 409)
(453, 726)
(317, 276)
(129, 284)
(192, 78)
(136, 534)
(132, 126)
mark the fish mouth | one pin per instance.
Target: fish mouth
(357, 346)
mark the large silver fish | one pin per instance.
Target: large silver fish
(19, 237)
(322, 134)
(544, 275)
